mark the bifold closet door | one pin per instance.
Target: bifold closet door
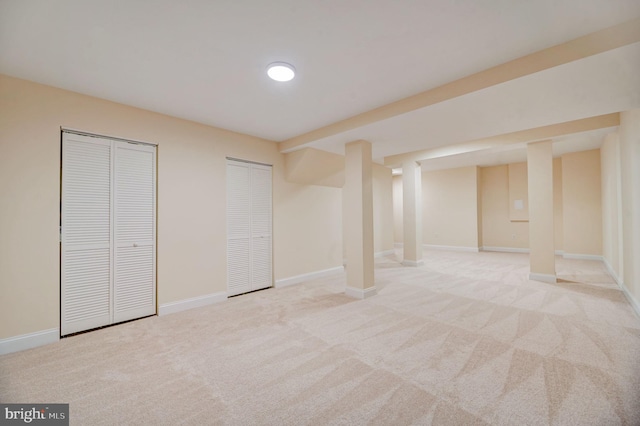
(86, 233)
(134, 289)
(261, 264)
(249, 229)
(108, 232)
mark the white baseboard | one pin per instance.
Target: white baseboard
(514, 250)
(310, 276)
(545, 278)
(451, 248)
(194, 302)
(505, 249)
(28, 341)
(582, 256)
(359, 293)
(384, 253)
(413, 262)
(632, 300)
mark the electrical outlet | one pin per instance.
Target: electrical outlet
(513, 236)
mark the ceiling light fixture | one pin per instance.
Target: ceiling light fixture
(281, 71)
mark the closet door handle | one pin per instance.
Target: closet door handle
(135, 244)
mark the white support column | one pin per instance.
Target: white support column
(541, 232)
(630, 194)
(358, 227)
(412, 213)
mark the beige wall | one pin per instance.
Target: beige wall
(582, 205)
(611, 204)
(558, 219)
(383, 213)
(498, 230)
(382, 209)
(629, 137)
(620, 163)
(191, 207)
(398, 228)
(479, 205)
(450, 207)
(310, 166)
(498, 187)
(518, 192)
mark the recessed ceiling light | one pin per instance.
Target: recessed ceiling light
(281, 71)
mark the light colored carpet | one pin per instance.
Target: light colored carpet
(464, 340)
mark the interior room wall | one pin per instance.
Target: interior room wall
(383, 224)
(558, 219)
(479, 205)
(383, 210)
(498, 230)
(611, 205)
(504, 227)
(398, 228)
(310, 166)
(450, 207)
(191, 252)
(518, 192)
(582, 205)
(629, 137)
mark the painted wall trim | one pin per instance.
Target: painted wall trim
(384, 253)
(583, 256)
(285, 282)
(505, 249)
(632, 301)
(514, 250)
(194, 302)
(451, 248)
(413, 262)
(359, 293)
(545, 278)
(115, 138)
(28, 341)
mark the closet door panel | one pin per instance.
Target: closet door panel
(261, 224)
(135, 228)
(85, 234)
(238, 228)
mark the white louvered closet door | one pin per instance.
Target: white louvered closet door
(249, 235)
(108, 232)
(261, 275)
(238, 227)
(86, 234)
(134, 231)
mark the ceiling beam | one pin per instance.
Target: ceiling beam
(592, 44)
(528, 135)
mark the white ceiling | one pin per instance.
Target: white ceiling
(205, 60)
